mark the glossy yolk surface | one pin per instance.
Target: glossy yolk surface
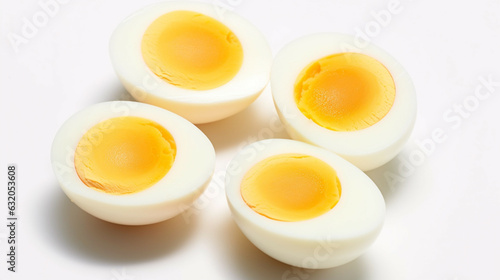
(345, 91)
(191, 50)
(291, 187)
(124, 155)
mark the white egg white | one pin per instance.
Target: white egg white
(185, 181)
(198, 106)
(368, 148)
(334, 238)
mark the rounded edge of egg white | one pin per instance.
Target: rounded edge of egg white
(173, 194)
(332, 239)
(368, 148)
(201, 106)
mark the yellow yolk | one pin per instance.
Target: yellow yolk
(124, 155)
(345, 91)
(291, 187)
(191, 50)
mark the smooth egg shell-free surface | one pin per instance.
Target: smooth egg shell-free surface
(187, 178)
(196, 106)
(367, 148)
(348, 229)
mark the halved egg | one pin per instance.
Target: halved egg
(131, 163)
(357, 102)
(188, 58)
(303, 205)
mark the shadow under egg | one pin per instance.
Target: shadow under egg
(242, 256)
(75, 232)
(403, 184)
(251, 263)
(116, 91)
(385, 177)
(243, 128)
(232, 130)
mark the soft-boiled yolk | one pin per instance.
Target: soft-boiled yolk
(291, 187)
(345, 91)
(191, 50)
(124, 155)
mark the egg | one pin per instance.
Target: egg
(194, 59)
(131, 163)
(356, 101)
(303, 205)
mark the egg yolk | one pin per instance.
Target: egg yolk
(191, 50)
(291, 187)
(124, 155)
(345, 91)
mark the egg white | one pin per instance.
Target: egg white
(195, 105)
(366, 148)
(185, 181)
(346, 231)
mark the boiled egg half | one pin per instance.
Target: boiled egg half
(356, 101)
(303, 205)
(195, 59)
(131, 163)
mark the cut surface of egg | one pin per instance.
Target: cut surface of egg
(303, 205)
(132, 154)
(191, 59)
(131, 163)
(357, 102)
(291, 187)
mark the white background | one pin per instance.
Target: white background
(443, 209)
